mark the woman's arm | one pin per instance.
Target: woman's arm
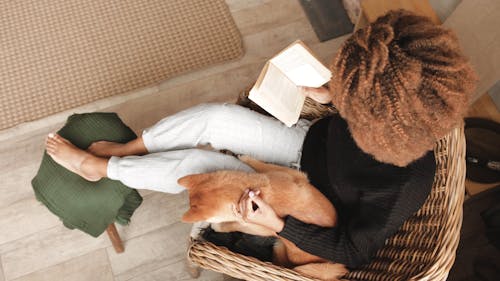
(352, 244)
(361, 231)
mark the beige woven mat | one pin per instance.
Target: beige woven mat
(59, 54)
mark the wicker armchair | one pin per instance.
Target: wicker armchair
(423, 248)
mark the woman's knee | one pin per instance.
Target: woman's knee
(217, 114)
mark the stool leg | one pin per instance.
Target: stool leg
(193, 270)
(115, 238)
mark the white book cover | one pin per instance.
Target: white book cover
(277, 88)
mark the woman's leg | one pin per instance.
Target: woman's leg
(160, 171)
(223, 126)
(156, 171)
(107, 149)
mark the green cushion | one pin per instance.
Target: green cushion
(88, 206)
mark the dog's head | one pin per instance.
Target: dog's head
(212, 195)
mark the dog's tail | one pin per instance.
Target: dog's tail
(280, 256)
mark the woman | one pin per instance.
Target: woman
(400, 84)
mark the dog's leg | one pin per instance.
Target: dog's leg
(261, 167)
(248, 228)
(280, 255)
(327, 271)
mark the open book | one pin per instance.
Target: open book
(277, 88)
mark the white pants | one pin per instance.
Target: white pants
(172, 143)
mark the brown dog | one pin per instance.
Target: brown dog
(212, 197)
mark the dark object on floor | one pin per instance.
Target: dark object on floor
(242, 243)
(478, 254)
(328, 18)
(483, 150)
(88, 206)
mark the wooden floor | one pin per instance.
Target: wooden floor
(33, 243)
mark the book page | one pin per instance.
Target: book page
(279, 96)
(306, 75)
(301, 67)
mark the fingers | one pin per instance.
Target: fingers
(321, 94)
(256, 199)
(236, 212)
(307, 91)
(253, 193)
(304, 91)
(245, 210)
(242, 204)
(249, 207)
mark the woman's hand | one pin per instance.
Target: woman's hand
(321, 94)
(251, 208)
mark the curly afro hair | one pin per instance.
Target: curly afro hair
(401, 83)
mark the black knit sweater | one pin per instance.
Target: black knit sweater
(372, 199)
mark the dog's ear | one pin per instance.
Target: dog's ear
(193, 215)
(192, 180)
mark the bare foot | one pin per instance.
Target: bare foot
(73, 158)
(107, 149)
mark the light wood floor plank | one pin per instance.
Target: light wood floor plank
(236, 5)
(176, 271)
(90, 267)
(16, 181)
(2, 277)
(150, 252)
(216, 88)
(155, 241)
(158, 210)
(45, 249)
(267, 15)
(24, 218)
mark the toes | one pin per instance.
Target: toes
(51, 144)
(49, 137)
(58, 138)
(50, 149)
(50, 141)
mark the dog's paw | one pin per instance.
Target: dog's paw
(219, 227)
(246, 159)
(228, 226)
(216, 226)
(197, 228)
